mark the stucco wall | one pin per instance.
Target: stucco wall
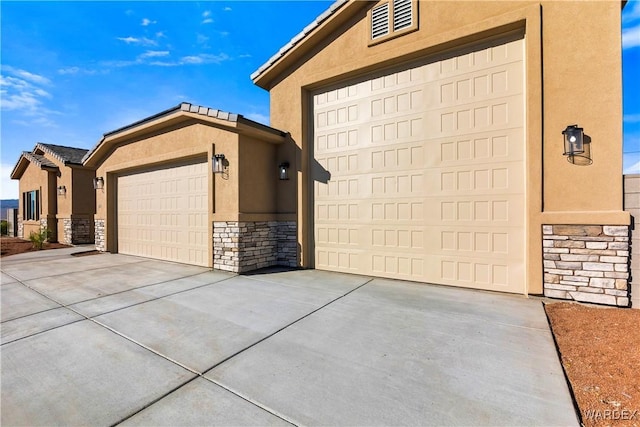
(576, 44)
(33, 178)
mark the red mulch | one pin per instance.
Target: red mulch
(14, 245)
(600, 352)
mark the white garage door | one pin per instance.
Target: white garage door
(162, 214)
(424, 172)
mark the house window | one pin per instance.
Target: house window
(31, 204)
(393, 18)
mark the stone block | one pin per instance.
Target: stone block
(593, 298)
(555, 250)
(579, 257)
(601, 252)
(618, 245)
(549, 264)
(562, 286)
(621, 267)
(547, 229)
(622, 284)
(597, 245)
(590, 290)
(555, 293)
(622, 301)
(560, 272)
(617, 274)
(597, 266)
(577, 230)
(575, 279)
(616, 231)
(614, 259)
(572, 244)
(602, 282)
(568, 265)
(589, 273)
(616, 292)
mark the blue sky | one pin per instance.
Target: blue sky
(71, 71)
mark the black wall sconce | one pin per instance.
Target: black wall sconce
(577, 146)
(98, 183)
(218, 163)
(62, 190)
(283, 171)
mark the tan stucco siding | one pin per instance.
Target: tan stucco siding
(34, 178)
(84, 196)
(258, 177)
(583, 85)
(577, 44)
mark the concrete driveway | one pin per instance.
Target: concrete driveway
(109, 339)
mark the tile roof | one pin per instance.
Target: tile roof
(39, 160)
(298, 38)
(62, 153)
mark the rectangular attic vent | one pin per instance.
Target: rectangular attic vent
(380, 21)
(402, 16)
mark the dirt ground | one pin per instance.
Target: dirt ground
(600, 352)
(14, 245)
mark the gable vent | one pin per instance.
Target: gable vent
(380, 21)
(402, 14)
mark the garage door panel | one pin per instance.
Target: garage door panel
(163, 214)
(426, 172)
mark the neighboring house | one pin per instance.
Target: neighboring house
(196, 185)
(56, 193)
(433, 141)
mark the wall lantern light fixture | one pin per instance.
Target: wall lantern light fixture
(283, 171)
(62, 190)
(98, 183)
(218, 163)
(577, 146)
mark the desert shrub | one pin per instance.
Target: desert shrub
(4, 227)
(39, 239)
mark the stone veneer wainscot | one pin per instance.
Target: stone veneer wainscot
(99, 235)
(246, 245)
(588, 263)
(76, 231)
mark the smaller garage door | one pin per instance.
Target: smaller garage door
(162, 214)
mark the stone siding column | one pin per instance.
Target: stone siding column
(587, 263)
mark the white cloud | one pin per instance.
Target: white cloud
(632, 118)
(145, 22)
(22, 91)
(154, 54)
(138, 41)
(26, 75)
(207, 17)
(160, 34)
(227, 9)
(631, 37)
(257, 117)
(193, 60)
(76, 70)
(202, 39)
(8, 186)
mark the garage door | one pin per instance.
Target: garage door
(162, 214)
(420, 172)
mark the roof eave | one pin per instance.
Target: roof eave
(337, 14)
(182, 113)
